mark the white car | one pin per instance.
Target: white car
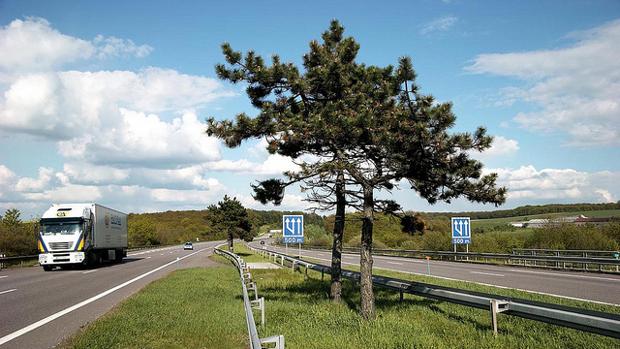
(188, 246)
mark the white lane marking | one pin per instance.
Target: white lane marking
(483, 273)
(565, 275)
(395, 263)
(409, 260)
(8, 291)
(90, 271)
(161, 254)
(55, 316)
(149, 257)
(491, 285)
(3, 276)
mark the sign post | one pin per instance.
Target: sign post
(461, 232)
(293, 230)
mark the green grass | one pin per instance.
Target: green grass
(247, 255)
(191, 308)
(471, 286)
(301, 311)
(487, 223)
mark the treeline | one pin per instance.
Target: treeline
(436, 236)
(173, 227)
(529, 210)
(17, 238)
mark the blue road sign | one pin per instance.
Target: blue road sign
(461, 230)
(293, 229)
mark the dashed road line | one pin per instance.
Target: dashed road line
(8, 291)
(483, 273)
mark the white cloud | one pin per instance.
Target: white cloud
(192, 177)
(36, 184)
(33, 45)
(141, 139)
(273, 165)
(501, 146)
(606, 196)
(115, 47)
(68, 104)
(577, 88)
(563, 185)
(439, 24)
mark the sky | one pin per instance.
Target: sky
(106, 101)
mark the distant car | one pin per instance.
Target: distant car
(262, 242)
(188, 246)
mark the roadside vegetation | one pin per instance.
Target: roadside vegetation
(191, 308)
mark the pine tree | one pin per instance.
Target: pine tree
(366, 127)
(229, 215)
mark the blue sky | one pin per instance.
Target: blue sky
(104, 101)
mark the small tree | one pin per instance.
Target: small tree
(229, 215)
(11, 217)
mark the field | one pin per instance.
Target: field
(488, 223)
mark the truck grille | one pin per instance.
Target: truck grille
(59, 245)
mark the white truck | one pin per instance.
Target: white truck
(81, 234)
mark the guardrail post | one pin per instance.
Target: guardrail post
(293, 265)
(323, 272)
(278, 341)
(252, 287)
(497, 307)
(260, 304)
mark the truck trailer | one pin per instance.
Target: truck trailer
(81, 234)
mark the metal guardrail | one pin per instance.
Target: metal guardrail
(586, 320)
(555, 261)
(13, 260)
(246, 282)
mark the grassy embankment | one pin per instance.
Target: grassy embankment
(191, 308)
(201, 308)
(300, 310)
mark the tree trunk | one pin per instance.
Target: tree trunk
(336, 284)
(366, 291)
(230, 240)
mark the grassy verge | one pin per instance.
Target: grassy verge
(472, 286)
(191, 308)
(301, 311)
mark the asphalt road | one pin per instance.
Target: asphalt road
(595, 287)
(40, 309)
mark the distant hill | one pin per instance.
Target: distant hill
(178, 226)
(530, 210)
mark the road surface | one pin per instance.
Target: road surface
(40, 309)
(603, 288)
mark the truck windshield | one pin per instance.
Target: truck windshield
(60, 228)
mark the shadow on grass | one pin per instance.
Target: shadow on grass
(312, 290)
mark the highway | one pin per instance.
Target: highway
(40, 309)
(603, 288)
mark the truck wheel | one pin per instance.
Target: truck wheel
(118, 256)
(47, 267)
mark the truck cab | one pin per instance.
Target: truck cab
(81, 234)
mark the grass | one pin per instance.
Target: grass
(191, 308)
(301, 311)
(471, 286)
(487, 223)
